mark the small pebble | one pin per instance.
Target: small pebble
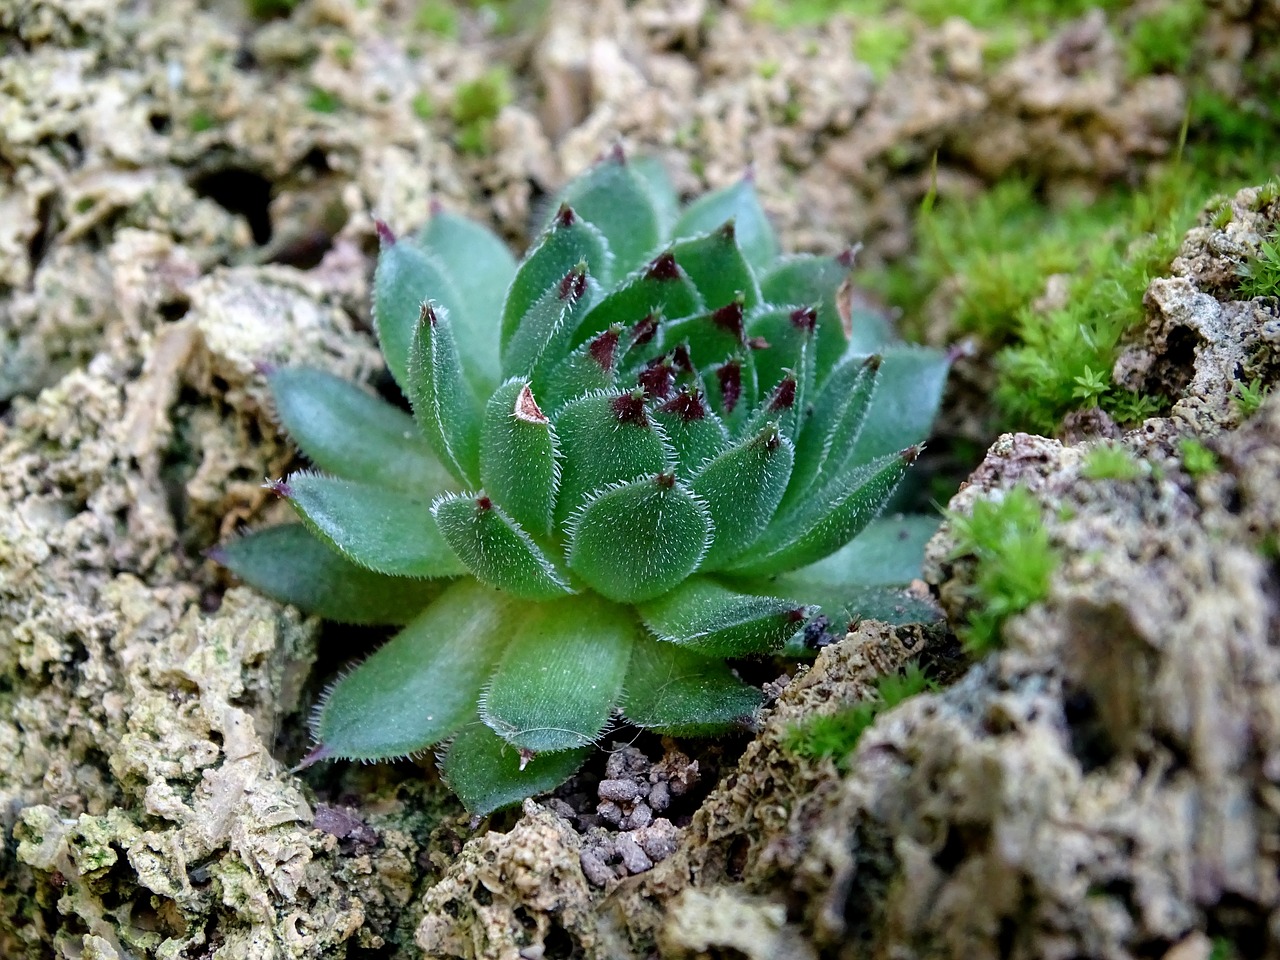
(659, 796)
(619, 791)
(633, 858)
(640, 816)
(659, 839)
(597, 872)
(609, 812)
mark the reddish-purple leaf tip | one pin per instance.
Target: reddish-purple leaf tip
(784, 394)
(484, 504)
(629, 408)
(525, 756)
(688, 405)
(427, 314)
(317, 753)
(663, 268)
(798, 615)
(217, 553)
(912, 453)
(805, 318)
(872, 363)
(527, 408)
(729, 317)
(385, 236)
(957, 350)
(665, 481)
(644, 331)
(847, 256)
(657, 379)
(565, 217)
(729, 376)
(574, 283)
(617, 155)
(681, 359)
(279, 488)
(729, 231)
(603, 348)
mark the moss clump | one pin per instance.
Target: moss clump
(880, 44)
(322, 101)
(1111, 462)
(1163, 40)
(1197, 459)
(836, 735)
(476, 105)
(437, 16)
(981, 13)
(1249, 396)
(1008, 541)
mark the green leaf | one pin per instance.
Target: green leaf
(681, 694)
(519, 452)
(404, 280)
(737, 203)
(692, 429)
(605, 438)
(828, 519)
(789, 331)
(592, 367)
(807, 279)
(423, 684)
(828, 438)
(715, 333)
(635, 541)
(487, 773)
(660, 288)
(496, 548)
(714, 621)
(291, 565)
(562, 674)
(662, 192)
(619, 201)
(480, 268)
(543, 335)
(442, 400)
(379, 529)
(566, 243)
(742, 488)
(346, 431)
(717, 268)
(905, 402)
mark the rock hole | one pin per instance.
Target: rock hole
(1091, 744)
(39, 244)
(242, 192)
(160, 122)
(559, 945)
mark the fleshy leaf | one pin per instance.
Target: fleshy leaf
(605, 438)
(659, 288)
(662, 192)
(376, 528)
(543, 334)
(828, 438)
(742, 488)
(487, 773)
(561, 675)
(347, 432)
(288, 563)
(789, 331)
(518, 457)
(829, 518)
(480, 268)
(713, 333)
(443, 403)
(905, 402)
(678, 693)
(635, 541)
(732, 389)
(405, 278)
(593, 366)
(714, 621)
(497, 549)
(694, 432)
(423, 684)
(717, 268)
(619, 201)
(737, 203)
(567, 242)
(819, 281)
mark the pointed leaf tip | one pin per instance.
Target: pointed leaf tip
(629, 408)
(729, 317)
(279, 488)
(805, 318)
(604, 346)
(316, 754)
(264, 367)
(663, 268)
(911, 454)
(657, 379)
(644, 331)
(427, 314)
(525, 757)
(688, 405)
(216, 553)
(484, 504)
(784, 395)
(847, 256)
(574, 284)
(527, 408)
(565, 217)
(729, 376)
(386, 237)
(617, 155)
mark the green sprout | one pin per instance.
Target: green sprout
(617, 448)
(1108, 461)
(476, 104)
(1197, 459)
(1248, 397)
(1260, 275)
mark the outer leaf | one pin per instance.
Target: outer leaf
(545, 331)
(496, 548)
(423, 684)
(789, 331)
(379, 529)
(487, 773)
(346, 431)
(830, 518)
(480, 267)
(714, 621)
(442, 400)
(561, 676)
(567, 242)
(620, 202)
(291, 565)
(518, 457)
(660, 288)
(637, 540)
(906, 400)
(692, 429)
(606, 438)
(405, 278)
(819, 281)
(717, 268)
(592, 367)
(662, 193)
(742, 488)
(740, 204)
(681, 694)
(828, 438)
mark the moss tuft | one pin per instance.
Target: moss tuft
(476, 105)
(1111, 462)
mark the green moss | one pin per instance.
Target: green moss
(836, 735)
(267, 9)
(1163, 41)
(200, 121)
(1260, 275)
(880, 45)
(1014, 560)
(981, 13)
(1197, 459)
(344, 51)
(322, 101)
(1110, 462)
(437, 16)
(423, 106)
(476, 104)
(1248, 397)
(1223, 949)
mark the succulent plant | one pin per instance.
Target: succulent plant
(628, 456)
